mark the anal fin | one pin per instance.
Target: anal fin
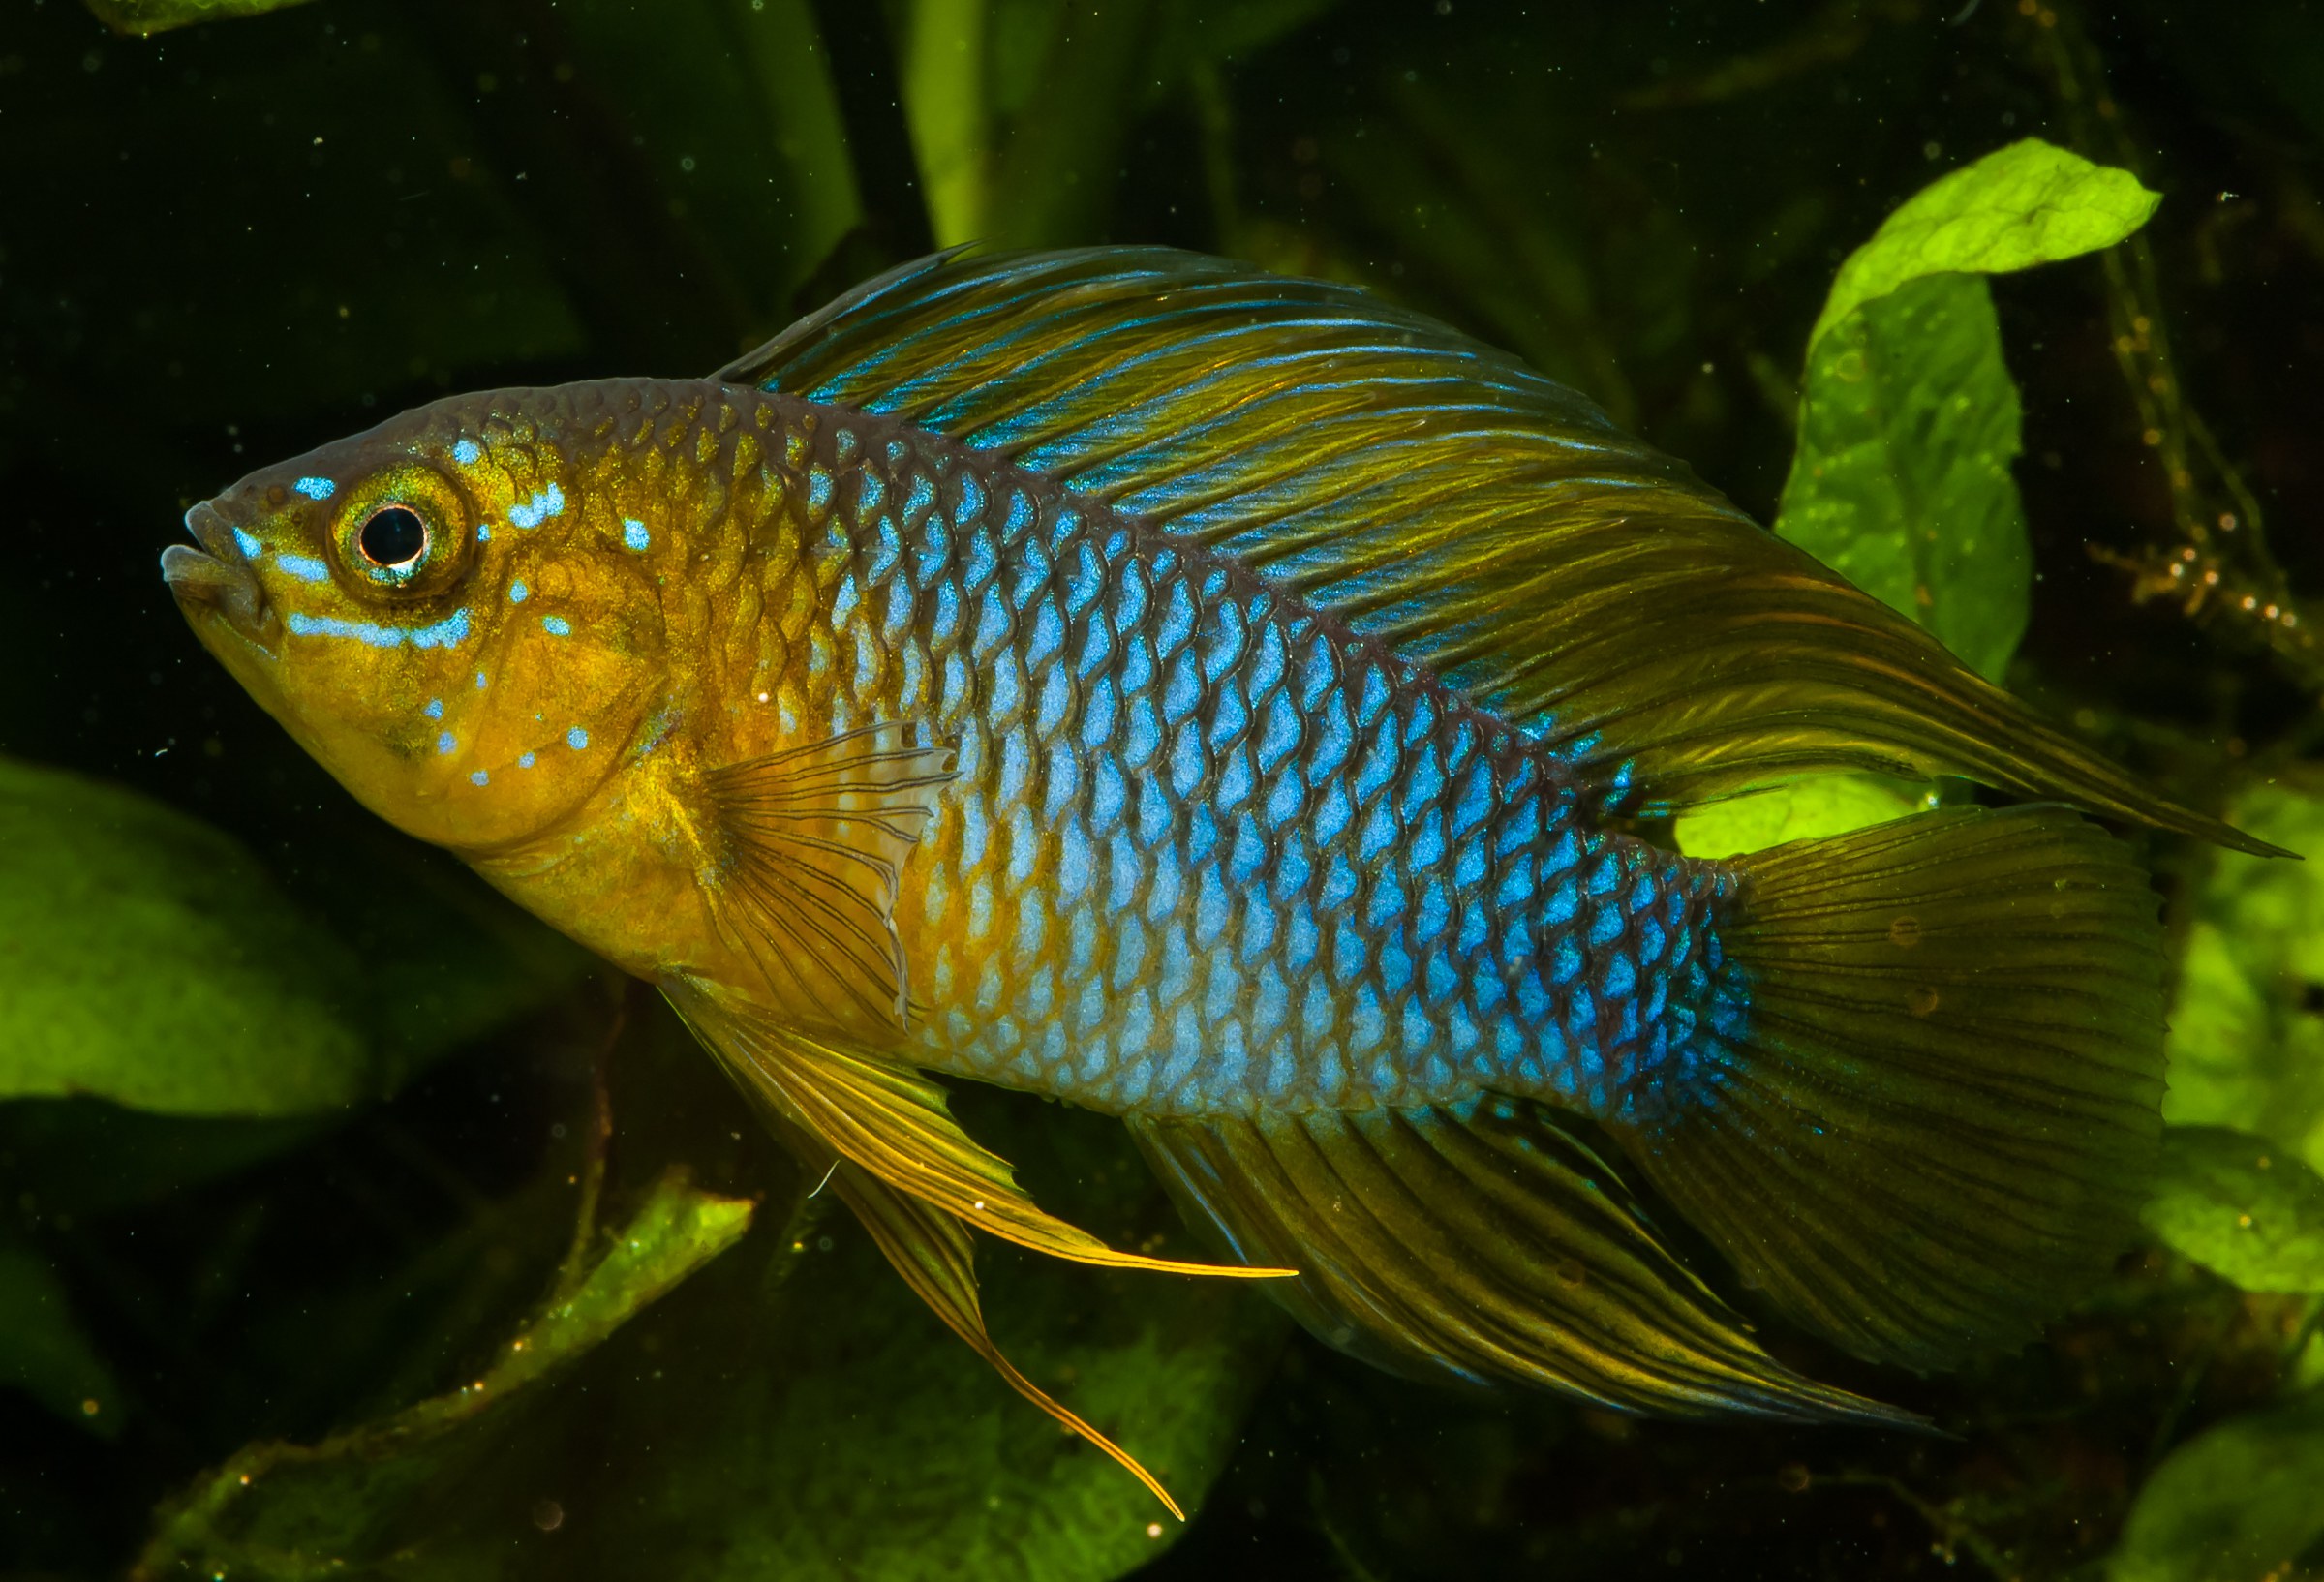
(1481, 1242)
(891, 1122)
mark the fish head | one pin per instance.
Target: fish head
(440, 610)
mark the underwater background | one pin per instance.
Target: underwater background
(352, 1224)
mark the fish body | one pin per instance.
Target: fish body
(1217, 701)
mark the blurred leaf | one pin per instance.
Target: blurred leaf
(459, 958)
(2236, 1503)
(289, 1511)
(88, 1156)
(2029, 203)
(1909, 418)
(144, 957)
(144, 18)
(42, 1348)
(1019, 108)
(2240, 1207)
(792, 1411)
(2246, 1025)
(1806, 810)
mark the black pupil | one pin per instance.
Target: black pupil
(393, 536)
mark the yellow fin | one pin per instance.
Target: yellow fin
(932, 1251)
(814, 841)
(892, 1121)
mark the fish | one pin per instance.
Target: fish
(1245, 708)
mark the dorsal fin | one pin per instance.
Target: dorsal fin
(1489, 523)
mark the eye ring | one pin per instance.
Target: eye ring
(394, 540)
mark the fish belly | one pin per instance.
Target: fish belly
(1207, 850)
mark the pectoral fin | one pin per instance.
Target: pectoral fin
(892, 1121)
(810, 844)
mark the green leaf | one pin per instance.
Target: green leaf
(2246, 1040)
(141, 19)
(286, 1510)
(1909, 418)
(2236, 1503)
(2242, 1207)
(1901, 482)
(144, 957)
(1806, 810)
(42, 1348)
(2029, 203)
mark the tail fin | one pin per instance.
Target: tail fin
(1931, 1126)
(1481, 1242)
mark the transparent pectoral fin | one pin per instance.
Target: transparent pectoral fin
(812, 842)
(892, 1121)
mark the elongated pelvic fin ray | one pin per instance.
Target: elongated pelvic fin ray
(893, 1122)
(1484, 1243)
(1441, 498)
(934, 1253)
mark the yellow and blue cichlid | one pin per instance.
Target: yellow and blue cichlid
(1219, 700)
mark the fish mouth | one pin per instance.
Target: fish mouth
(218, 576)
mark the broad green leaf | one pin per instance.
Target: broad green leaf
(1909, 418)
(42, 1351)
(289, 1510)
(1901, 482)
(1806, 810)
(144, 957)
(142, 19)
(2246, 1036)
(2240, 1207)
(2030, 203)
(2236, 1503)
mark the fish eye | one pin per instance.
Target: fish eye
(392, 537)
(402, 533)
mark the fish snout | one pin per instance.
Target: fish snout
(218, 576)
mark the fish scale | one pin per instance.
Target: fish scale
(1206, 849)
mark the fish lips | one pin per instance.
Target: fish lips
(217, 580)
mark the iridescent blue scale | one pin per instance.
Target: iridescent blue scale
(1209, 850)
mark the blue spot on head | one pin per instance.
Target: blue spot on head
(484, 533)
(466, 452)
(446, 742)
(480, 778)
(635, 533)
(518, 593)
(544, 503)
(556, 626)
(316, 488)
(525, 761)
(480, 681)
(251, 547)
(576, 739)
(434, 709)
(305, 567)
(449, 632)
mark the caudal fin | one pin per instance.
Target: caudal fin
(1930, 1124)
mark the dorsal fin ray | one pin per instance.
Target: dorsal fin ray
(1442, 497)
